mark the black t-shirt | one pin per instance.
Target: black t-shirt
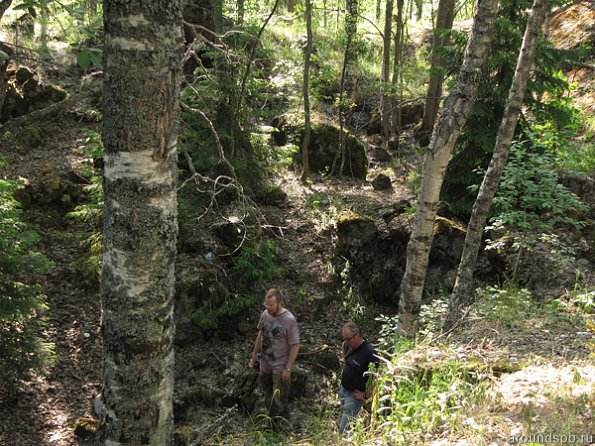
(357, 362)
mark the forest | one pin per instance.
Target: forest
(421, 170)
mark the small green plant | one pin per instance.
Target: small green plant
(91, 213)
(415, 401)
(531, 198)
(431, 316)
(254, 263)
(508, 305)
(22, 302)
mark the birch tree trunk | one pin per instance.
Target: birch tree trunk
(142, 59)
(443, 22)
(456, 110)
(385, 102)
(462, 294)
(306, 92)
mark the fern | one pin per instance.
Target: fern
(22, 301)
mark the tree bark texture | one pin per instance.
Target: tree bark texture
(3, 74)
(456, 110)
(462, 294)
(306, 93)
(395, 123)
(143, 49)
(351, 17)
(385, 104)
(444, 22)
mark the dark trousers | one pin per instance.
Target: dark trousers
(276, 394)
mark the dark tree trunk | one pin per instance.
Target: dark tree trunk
(443, 23)
(395, 122)
(306, 92)
(385, 105)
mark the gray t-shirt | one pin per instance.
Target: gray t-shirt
(279, 333)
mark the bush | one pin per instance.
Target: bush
(254, 263)
(22, 302)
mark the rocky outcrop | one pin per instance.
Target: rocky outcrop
(25, 93)
(371, 258)
(324, 148)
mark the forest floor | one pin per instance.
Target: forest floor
(549, 377)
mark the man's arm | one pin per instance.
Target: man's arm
(293, 352)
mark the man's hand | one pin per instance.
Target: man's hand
(286, 375)
(359, 395)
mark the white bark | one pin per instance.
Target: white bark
(462, 293)
(143, 52)
(456, 110)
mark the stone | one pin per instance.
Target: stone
(85, 428)
(382, 182)
(23, 74)
(231, 233)
(323, 152)
(354, 230)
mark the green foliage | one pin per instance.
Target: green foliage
(416, 401)
(91, 213)
(22, 302)
(227, 103)
(545, 99)
(507, 305)
(254, 263)
(530, 197)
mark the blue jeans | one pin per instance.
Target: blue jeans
(350, 408)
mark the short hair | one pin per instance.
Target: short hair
(353, 328)
(276, 293)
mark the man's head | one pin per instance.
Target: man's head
(352, 334)
(273, 301)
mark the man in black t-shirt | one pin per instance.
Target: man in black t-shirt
(358, 353)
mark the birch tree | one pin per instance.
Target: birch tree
(142, 60)
(306, 93)
(462, 294)
(456, 110)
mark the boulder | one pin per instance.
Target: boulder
(354, 230)
(324, 151)
(382, 182)
(372, 261)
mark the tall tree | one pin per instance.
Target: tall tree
(385, 105)
(306, 93)
(456, 110)
(349, 59)
(142, 60)
(462, 294)
(398, 63)
(444, 20)
(5, 53)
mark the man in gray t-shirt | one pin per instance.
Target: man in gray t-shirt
(277, 344)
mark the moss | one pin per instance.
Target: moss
(444, 225)
(347, 215)
(85, 427)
